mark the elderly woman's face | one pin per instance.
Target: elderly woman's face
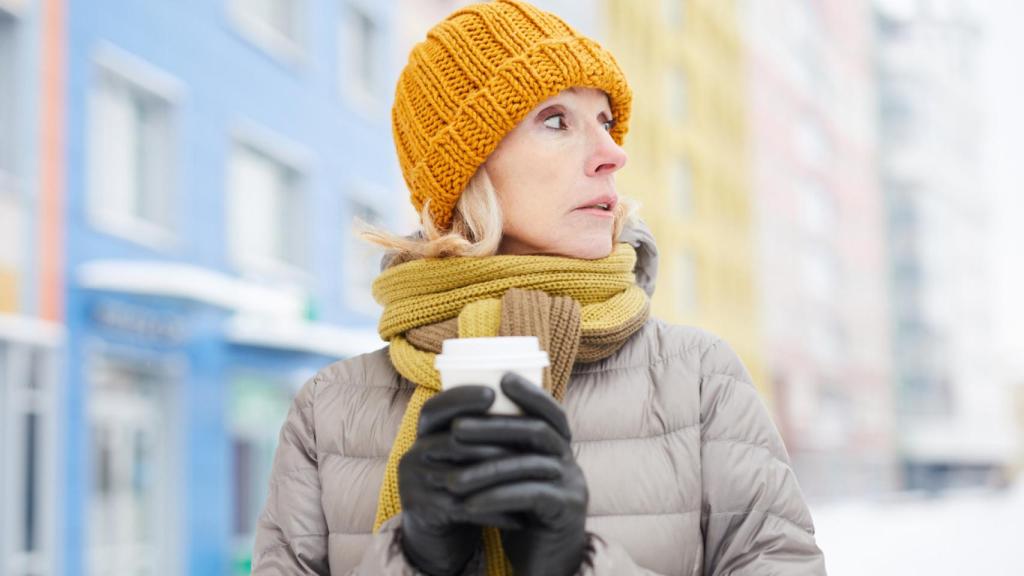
(555, 177)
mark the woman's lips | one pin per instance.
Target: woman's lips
(598, 212)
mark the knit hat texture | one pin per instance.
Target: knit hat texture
(477, 75)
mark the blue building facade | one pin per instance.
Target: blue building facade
(217, 153)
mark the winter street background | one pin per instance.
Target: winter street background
(971, 531)
(835, 187)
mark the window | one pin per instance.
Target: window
(257, 410)
(129, 497)
(675, 93)
(8, 133)
(26, 460)
(674, 12)
(359, 57)
(819, 272)
(680, 187)
(812, 143)
(685, 285)
(824, 336)
(132, 155)
(266, 231)
(362, 264)
(12, 243)
(275, 25)
(818, 210)
(899, 118)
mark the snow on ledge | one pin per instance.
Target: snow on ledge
(26, 329)
(188, 282)
(263, 317)
(312, 337)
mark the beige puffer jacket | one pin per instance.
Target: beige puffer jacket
(686, 472)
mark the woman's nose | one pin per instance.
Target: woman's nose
(607, 156)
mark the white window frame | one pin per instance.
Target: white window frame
(819, 272)
(812, 144)
(367, 99)
(677, 93)
(13, 7)
(280, 46)
(373, 197)
(674, 12)
(18, 399)
(13, 224)
(9, 95)
(144, 77)
(171, 372)
(13, 217)
(686, 279)
(680, 173)
(817, 208)
(291, 155)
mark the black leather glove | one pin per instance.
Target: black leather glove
(541, 484)
(438, 535)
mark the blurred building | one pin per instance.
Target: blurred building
(689, 163)
(954, 412)
(31, 335)
(177, 188)
(12, 203)
(820, 233)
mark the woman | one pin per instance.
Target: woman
(650, 452)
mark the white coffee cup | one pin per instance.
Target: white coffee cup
(483, 361)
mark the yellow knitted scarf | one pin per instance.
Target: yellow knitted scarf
(426, 299)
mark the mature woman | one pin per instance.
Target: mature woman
(649, 450)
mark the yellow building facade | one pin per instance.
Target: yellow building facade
(688, 160)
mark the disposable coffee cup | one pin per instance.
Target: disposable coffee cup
(483, 361)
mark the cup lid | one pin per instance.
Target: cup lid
(498, 353)
(494, 346)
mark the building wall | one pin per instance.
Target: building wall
(31, 342)
(179, 340)
(820, 232)
(689, 161)
(17, 86)
(954, 411)
(226, 86)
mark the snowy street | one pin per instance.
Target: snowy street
(956, 535)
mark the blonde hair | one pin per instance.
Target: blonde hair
(476, 228)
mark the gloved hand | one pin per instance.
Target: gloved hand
(541, 484)
(438, 535)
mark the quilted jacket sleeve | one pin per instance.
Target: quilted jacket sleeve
(292, 534)
(754, 518)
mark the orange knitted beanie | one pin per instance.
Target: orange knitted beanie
(477, 74)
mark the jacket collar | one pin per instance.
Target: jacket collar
(639, 236)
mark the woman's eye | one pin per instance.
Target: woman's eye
(557, 122)
(609, 125)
